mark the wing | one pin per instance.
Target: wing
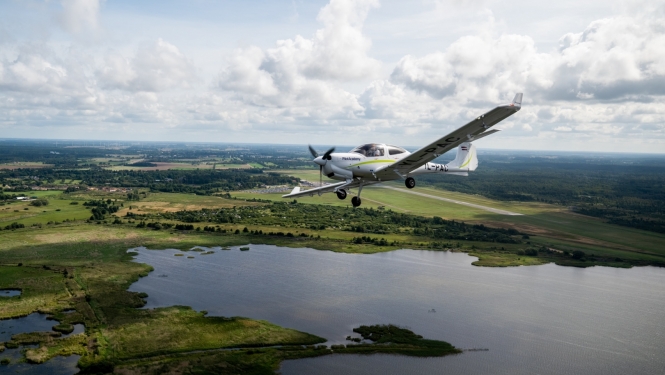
(475, 129)
(296, 192)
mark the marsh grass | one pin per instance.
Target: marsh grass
(179, 328)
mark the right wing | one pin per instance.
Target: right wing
(477, 128)
(347, 185)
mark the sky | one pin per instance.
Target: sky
(340, 73)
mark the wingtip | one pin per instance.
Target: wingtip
(517, 102)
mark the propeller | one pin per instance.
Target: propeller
(326, 156)
(313, 151)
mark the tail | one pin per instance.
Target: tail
(466, 158)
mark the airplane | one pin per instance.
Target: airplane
(374, 163)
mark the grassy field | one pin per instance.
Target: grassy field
(163, 166)
(22, 164)
(170, 202)
(62, 261)
(548, 225)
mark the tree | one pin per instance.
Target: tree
(578, 254)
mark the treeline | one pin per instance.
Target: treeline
(76, 154)
(203, 181)
(624, 192)
(365, 220)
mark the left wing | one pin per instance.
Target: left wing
(352, 184)
(475, 129)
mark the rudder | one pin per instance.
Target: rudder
(466, 157)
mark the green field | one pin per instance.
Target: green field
(63, 260)
(549, 225)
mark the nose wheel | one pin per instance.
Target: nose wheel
(355, 201)
(410, 183)
(341, 194)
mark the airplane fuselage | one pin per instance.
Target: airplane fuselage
(351, 165)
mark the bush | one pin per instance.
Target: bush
(578, 254)
(39, 202)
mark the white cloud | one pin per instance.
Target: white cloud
(304, 72)
(156, 66)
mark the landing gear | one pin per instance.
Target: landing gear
(410, 183)
(341, 194)
(355, 201)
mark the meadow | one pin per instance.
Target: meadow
(71, 253)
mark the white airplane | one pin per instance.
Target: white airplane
(373, 163)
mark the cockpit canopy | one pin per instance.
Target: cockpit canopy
(377, 149)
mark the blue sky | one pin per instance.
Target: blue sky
(337, 72)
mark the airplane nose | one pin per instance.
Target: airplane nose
(319, 160)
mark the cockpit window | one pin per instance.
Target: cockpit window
(394, 150)
(370, 149)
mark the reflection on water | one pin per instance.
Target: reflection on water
(55, 366)
(9, 292)
(31, 323)
(35, 323)
(540, 319)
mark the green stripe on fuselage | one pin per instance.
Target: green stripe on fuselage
(371, 162)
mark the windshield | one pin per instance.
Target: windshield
(394, 150)
(370, 149)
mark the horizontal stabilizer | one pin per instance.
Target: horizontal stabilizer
(485, 134)
(295, 190)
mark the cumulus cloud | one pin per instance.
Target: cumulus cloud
(303, 72)
(614, 58)
(38, 71)
(156, 66)
(78, 15)
(618, 58)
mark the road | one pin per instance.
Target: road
(489, 209)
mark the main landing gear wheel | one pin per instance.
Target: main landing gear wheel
(341, 194)
(355, 201)
(410, 183)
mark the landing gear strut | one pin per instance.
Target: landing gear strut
(410, 183)
(355, 201)
(341, 194)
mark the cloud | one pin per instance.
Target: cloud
(614, 58)
(156, 66)
(79, 15)
(618, 58)
(304, 72)
(38, 71)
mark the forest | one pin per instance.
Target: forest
(623, 189)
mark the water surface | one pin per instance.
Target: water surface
(10, 292)
(539, 319)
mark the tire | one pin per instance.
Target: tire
(355, 201)
(341, 194)
(410, 183)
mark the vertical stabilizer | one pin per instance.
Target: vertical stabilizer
(466, 157)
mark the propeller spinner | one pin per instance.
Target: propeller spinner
(321, 161)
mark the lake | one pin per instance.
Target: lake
(35, 323)
(540, 319)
